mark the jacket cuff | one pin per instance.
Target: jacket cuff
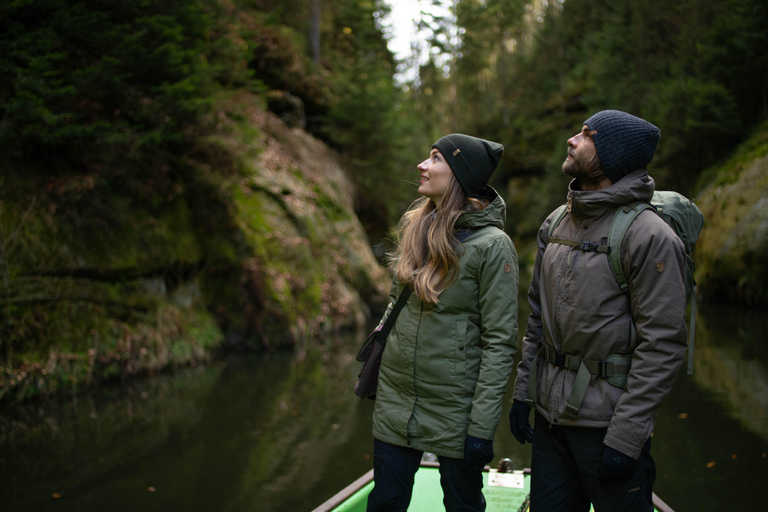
(622, 446)
(481, 434)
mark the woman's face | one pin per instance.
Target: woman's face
(436, 175)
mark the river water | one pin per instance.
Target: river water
(284, 433)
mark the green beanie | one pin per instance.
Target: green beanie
(472, 160)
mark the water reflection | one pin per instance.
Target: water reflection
(285, 433)
(731, 360)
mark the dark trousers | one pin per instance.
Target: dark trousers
(565, 473)
(394, 468)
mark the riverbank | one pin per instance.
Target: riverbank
(267, 257)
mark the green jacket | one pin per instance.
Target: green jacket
(445, 368)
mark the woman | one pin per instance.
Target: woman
(448, 358)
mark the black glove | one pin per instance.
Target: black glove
(615, 467)
(518, 422)
(477, 453)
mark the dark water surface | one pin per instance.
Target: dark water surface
(285, 433)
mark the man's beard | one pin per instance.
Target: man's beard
(585, 172)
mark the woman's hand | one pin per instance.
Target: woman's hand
(477, 453)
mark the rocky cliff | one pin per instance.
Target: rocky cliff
(731, 254)
(99, 284)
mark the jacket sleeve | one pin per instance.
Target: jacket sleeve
(533, 331)
(498, 276)
(654, 257)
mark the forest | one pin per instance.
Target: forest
(188, 176)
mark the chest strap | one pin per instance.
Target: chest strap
(584, 245)
(614, 369)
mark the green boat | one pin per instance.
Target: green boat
(504, 490)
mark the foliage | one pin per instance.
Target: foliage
(123, 166)
(364, 120)
(528, 73)
(101, 85)
(730, 256)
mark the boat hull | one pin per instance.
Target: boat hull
(504, 492)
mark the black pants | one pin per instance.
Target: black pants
(565, 474)
(394, 468)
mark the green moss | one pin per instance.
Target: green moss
(731, 251)
(756, 146)
(80, 343)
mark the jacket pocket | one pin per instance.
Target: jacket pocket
(460, 350)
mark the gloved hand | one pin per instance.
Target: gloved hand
(615, 467)
(518, 421)
(477, 453)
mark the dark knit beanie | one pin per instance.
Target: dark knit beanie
(624, 143)
(472, 160)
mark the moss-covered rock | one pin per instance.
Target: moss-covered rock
(309, 268)
(264, 253)
(731, 254)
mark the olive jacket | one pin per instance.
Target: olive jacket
(445, 368)
(578, 308)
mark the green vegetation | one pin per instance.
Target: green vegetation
(182, 176)
(151, 209)
(528, 73)
(734, 199)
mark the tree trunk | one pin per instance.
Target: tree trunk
(314, 31)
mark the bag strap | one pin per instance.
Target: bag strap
(557, 219)
(461, 236)
(390, 321)
(623, 217)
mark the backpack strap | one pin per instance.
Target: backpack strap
(621, 220)
(583, 245)
(614, 369)
(561, 211)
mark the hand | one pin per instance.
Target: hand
(615, 467)
(477, 453)
(518, 422)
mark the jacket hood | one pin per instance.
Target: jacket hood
(495, 214)
(588, 204)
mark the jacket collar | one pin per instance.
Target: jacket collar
(590, 204)
(494, 214)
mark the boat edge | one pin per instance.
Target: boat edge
(341, 496)
(659, 504)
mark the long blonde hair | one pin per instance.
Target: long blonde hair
(425, 258)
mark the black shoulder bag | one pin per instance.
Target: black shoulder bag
(373, 347)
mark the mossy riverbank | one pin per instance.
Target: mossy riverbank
(731, 254)
(101, 285)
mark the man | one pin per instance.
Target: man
(597, 362)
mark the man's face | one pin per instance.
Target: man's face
(582, 161)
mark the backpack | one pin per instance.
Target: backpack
(685, 219)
